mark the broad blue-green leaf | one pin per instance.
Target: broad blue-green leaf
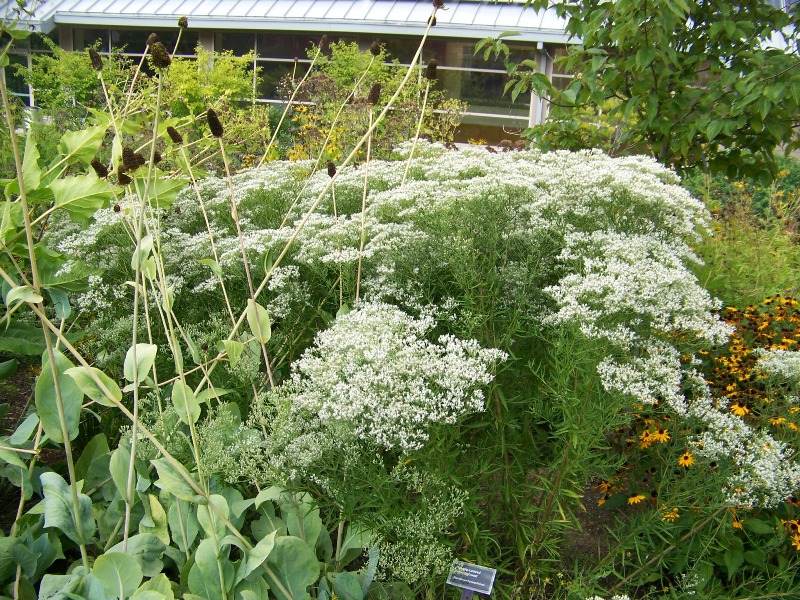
(31, 173)
(143, 361)
(81, 195)
(22, 293)
(93, 451)
(355, 539)
(234, 351)
(10, 219)
(183, 524)
(302, 518)
(60, 303)
(7, 566)
(47, 402)
(20, 338)
(185, 403)
(61, 587)
(156, 521)
(208, 518)
(142, 252)
(163, 188)
(291, 567)
(254, 588)
(82, 376)
(170, 480)
(119, 468)
(255, 558)
(347, 586)
(153, 589)
(8, 368)
(208, 393)
(59, 511)
(258, 320)
(119, 573)
(147, 549)
(214, 265)
(82, 145)
(25, 429)
(210, 577)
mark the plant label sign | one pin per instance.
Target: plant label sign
(471, 578)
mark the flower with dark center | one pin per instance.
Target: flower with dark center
(430, 70)
(173, 134)
(214, 123)
(94, 56)
(375, 49)
(100, 169)
(374, 94)
(156, 157)
(183, 22)
(123, 178)
(151, 39)
(331, 169)
(160, 56)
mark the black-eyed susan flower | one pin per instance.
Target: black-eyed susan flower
(686, 460)
(739, 410)
(661, 435)
(635, 498)
(670, 515)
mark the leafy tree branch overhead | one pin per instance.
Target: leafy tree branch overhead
(692, 81)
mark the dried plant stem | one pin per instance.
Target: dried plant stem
(416, 135)
(363, 211)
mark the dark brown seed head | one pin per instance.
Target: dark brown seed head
(100, 169)
(432, 20)
(491, 150)
(140, 159)
(183, 22)
(97, 62)
(375, 49)
(123, 178)
(374, 93)
(117, 208)
(160, 56)
(519, 145)
(156, 157)
(323, 43)
(438, 3)
(151, 39)
(214, 123)
(506, 145)
(430, 70)
(173, 134)
(331, 169)
(129, 160)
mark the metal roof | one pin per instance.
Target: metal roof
(462, 19)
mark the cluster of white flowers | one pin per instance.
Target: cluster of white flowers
(614, 597)
(782, 365)
(625, 281)
(375, 370)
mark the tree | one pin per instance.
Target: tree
(694, 81)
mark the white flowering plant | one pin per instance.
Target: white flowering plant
(336, 380)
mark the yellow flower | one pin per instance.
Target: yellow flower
(777, 421)
(671, 515)
(686, 459)
(662, 435)
(739, 410)
(737, 523)
(796, 542)
(635, 498)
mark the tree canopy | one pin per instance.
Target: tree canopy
(694, 81)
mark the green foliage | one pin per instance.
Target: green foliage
(694, 81)
(209, 79)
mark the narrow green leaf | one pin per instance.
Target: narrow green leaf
(31, 173)
(210, 262)
(8, 368)
(258, 320)
(142, 252)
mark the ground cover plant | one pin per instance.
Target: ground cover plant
(299, 382)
